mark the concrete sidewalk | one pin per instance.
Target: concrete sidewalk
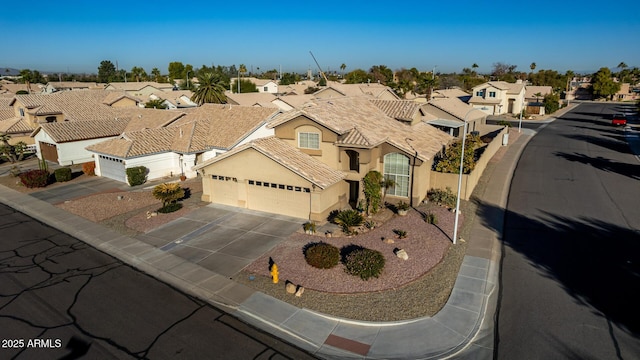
(462, 329)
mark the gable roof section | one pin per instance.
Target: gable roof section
(530, 91)
(82, 130)
(15, 126)
(116, 96)
(455, 107)
(208, 127)
(313, 170)
(135, 86)
(224, 126)
(131, 120)
(403, 110)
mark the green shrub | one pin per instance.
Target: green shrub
(169, 208)
(431, 218)
(35, 178)
(442, 197)
(89, 168)
(62, 174)
(348, 219)
(322, 255)
(137, 175)
(401, 233)
(365, 263)
(309, 227)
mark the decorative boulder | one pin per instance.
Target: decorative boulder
(402, 254)
(300, 291)
(388, 241)
(291, 288)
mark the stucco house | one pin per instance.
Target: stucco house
(173, 150)
(54, 86)
(140, 89)
(32, 110)
(534, 97)
(317, 158)
(449, 113)
(498, 97)
(65, 143)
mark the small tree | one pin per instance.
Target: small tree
(168, 193)
(155, 104)
(551, 103)
(372, 190)
(13, 153)
(450, 161)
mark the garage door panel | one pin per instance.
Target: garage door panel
(112, 168)
(279, 201)
(225, 192)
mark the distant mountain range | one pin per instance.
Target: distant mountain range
(9, 71)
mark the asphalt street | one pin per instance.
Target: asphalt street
(571, 255)
(61, 298)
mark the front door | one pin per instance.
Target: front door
(354, 193)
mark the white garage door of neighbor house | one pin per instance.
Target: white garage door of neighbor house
(279, 199)
(112, 168)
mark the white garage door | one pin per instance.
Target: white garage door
(112, 168)
(278, 198)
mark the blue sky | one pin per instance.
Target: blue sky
(74, 36)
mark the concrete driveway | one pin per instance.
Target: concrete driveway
(221, 238)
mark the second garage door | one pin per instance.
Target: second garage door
(278, 198)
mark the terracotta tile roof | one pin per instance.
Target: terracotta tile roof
(404, 110)
(296, 101)
(372, 90)
(288, 156)
(115, 96)
(512, 88)
(208, 127)
(15, 126)
(223, 126)
(82, 130)
(75, 105)
(133, 86)
(128, 120)
(456, 107)
(250, 99)
(72, 84)
(343, 115)
(530, 91)
(450, 93)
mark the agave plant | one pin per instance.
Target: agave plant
(348, 219)
(168, 193)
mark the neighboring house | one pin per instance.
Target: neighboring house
(498, 97)
(449, 113)
(178, 99)
(64, 143)
(534, 97)
(373, 91)
(200, 135)
(141, 89)
(625, 93)
(54, 86)
(316, 160)
(14, 88)
(263, 99)
(36, 109)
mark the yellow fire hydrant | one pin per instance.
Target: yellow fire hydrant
(274, 273)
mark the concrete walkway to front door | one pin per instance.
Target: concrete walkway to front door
(221, 238)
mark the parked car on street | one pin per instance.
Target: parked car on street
(619, 119)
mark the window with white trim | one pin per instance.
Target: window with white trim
(396, 168)
(309, 140)
(492, 94)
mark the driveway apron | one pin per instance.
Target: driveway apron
(222, 239)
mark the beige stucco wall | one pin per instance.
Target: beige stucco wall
(328, 152)
(322, 201)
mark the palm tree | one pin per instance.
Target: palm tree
(342, 67)
(622, 66)
(211, 89)
(475, 66)
(137, 72)
(156, 74)
(569, 75)
(532, 66)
